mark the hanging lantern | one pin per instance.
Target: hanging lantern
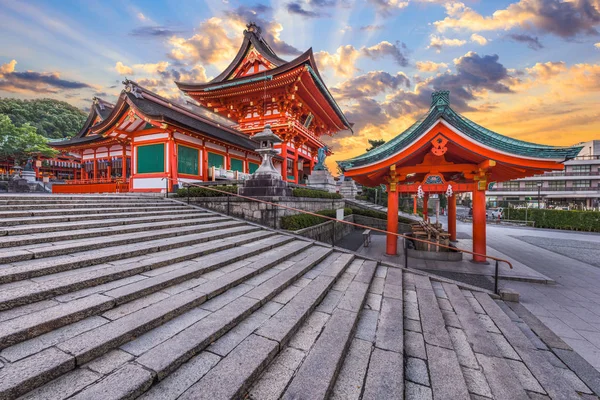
(449, 191)
(420, 192)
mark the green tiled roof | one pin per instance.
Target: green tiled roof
(440, 108)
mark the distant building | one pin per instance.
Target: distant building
(578, 186)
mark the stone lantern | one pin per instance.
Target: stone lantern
(267, 140)
(266, 180)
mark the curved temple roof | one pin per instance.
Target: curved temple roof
(440, 109)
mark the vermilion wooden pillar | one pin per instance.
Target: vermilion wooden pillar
(425, 206)
(173, 163)
(479, 242)
(452, 217)
(415, 201)
(95, 166)
(391, 247)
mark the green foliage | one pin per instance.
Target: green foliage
(196, 191)
(20, 143)
(588, 221)
(315, 194)
(51, 118)
(361, 198)
(301, 221)
(443, 201)
(378, 214)
(374, 143)
(371, 192)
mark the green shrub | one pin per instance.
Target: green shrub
(379, 215)
(361, 198)
(588, 221)
(196, 191)
(301, 221)
(315, 194)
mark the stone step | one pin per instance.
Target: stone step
(317, 374)
(251, 350)
(88, 204)
(171, 353)
(106, 214)
(35, 268)
(33, 229)
(98, 341)
(36, 323)
(53, 249)
(79, 211)
(59, 284)
(276, 250)
(79, 234)
(25, 198)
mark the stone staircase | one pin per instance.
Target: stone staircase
(122, 297)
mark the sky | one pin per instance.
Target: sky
(528, 69)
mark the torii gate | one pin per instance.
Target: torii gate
(445, 150)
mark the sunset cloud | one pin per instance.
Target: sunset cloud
(31, 82)
(430, 66)
(476, 38)
(437, 43)
(123, 69)
(561, 18)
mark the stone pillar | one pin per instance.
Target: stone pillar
(391, 247)
(479, 221)
(452, 217)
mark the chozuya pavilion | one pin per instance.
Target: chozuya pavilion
(145, 138)
(444, 152)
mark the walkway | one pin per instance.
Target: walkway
(129, 296)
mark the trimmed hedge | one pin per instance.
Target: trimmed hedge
(588, 221)
(301, 221)
(196, 191)
(378, 215)
(315, 194)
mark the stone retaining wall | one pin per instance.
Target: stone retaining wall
(262, 213)
(379, 223)
(324, 232)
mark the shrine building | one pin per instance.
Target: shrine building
(446, 153)
(134, 144)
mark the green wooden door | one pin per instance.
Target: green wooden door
(216, 160)
(237, 165)
(187, 160)
(253, 167)
(151, 158)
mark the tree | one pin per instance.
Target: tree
(20, 143)
(51, 118)
(375, 143)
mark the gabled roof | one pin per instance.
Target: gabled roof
(440, 109)
(100, 109)
(156, 108)
(252, 37)
(306, 59)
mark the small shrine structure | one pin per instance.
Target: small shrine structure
(445, 153)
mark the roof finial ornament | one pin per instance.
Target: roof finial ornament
(252, 27)
(440, 98)
(131, 87)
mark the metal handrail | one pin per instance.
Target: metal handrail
(405, 237)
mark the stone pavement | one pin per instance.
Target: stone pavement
(101, 300)
(519, 272)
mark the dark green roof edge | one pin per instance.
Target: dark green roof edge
(474, 131)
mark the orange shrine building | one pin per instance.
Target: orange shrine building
(134, 144)
(446, 153)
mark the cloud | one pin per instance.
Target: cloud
(597, 45)
(562, 18)
(296, 8)
(34, 82)
(388, 7)
(532, 42)
(546, 71)
(397, 51)
(478, 39)
(430, 66)
(437, 43)
(371, 28)
(123, 69)
(371, 84)
(153, 31)
(341, 62)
